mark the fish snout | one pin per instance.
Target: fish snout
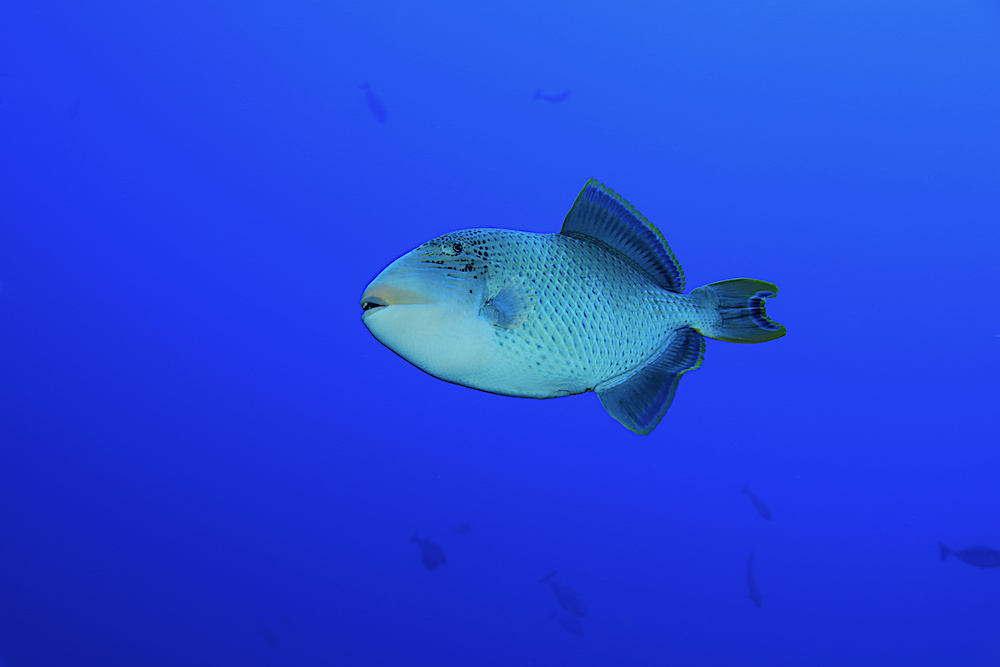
(371, 304)
(381, 294)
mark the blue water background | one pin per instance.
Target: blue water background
(206, 459)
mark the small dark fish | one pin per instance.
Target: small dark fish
(265, 631)
(555, 99)
(463, 528)
(374, 104)
(432, 554)
(566, 596)
(755, 593)
(981, 557)
(758, 503)
(570, 622)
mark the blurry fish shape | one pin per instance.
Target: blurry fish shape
(431, 553)
(271, 628)
(555, 99)
(374, 104)
(463, 528)
(597, 307)
(269, 635)
(566, 596)
(757, 503)
(570, 622)
(981, 557)
(755, 593)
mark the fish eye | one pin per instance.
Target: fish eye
(451, 248)
(456, 247)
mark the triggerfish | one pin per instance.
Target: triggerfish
(599, 307)
(429, 552)
(981, 557)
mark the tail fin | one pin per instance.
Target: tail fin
(739, 305)
(944, 551)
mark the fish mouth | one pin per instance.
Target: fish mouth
(371, 305)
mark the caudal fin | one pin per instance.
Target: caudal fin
(739, 305)
(944, 551)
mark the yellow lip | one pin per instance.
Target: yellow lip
(371, 311)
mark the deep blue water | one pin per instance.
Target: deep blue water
(206, 459)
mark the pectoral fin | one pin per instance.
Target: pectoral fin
(511, 306)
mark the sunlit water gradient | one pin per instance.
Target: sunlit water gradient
(206, 459)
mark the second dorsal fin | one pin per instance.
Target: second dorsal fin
(601, 213)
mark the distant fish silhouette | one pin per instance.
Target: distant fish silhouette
(981, 557)
(755, 593)
(555, 99)
(268, 634)
(570, 622)
(463, 528)
(566, 596)
(270, 629)
(374, 104)
(758, 503)
(431, 553)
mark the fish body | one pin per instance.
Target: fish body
(982, 557)
(758, 504)
(597, 307)
(429, 552)
(566, 596)
(755, 595)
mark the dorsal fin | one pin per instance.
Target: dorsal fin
(600, 213)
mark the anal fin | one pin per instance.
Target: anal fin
(641, 400)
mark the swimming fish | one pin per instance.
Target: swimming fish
(755, 593)
(982, 557)
(374, 104)
(558, 97)
(597, 307)
(757, 502)
(431, 553)
(566, 596)
(268, 634)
